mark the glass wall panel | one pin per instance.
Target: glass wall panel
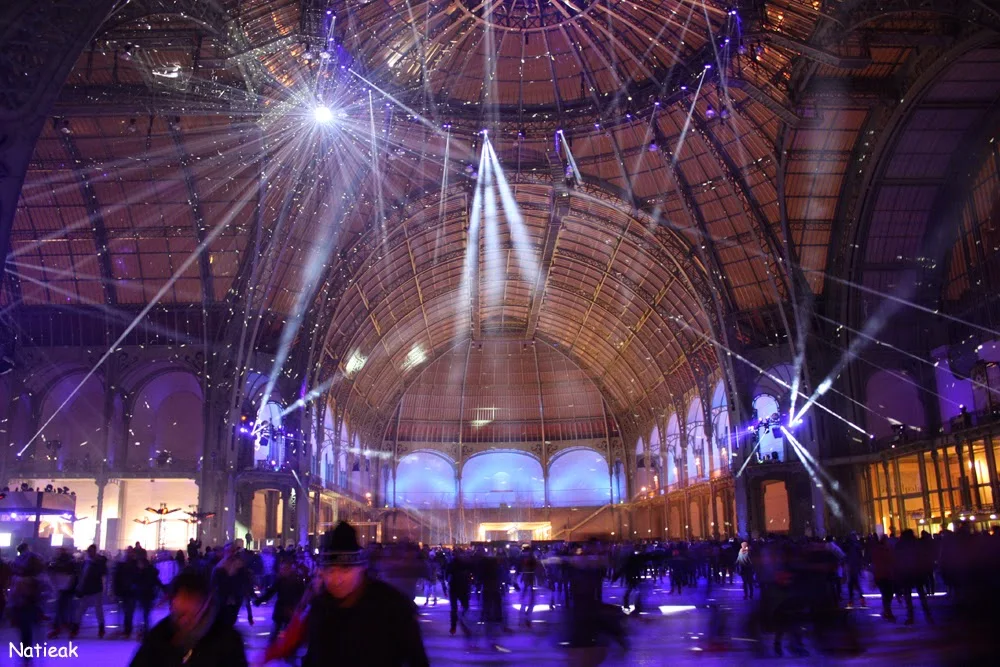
(955, 475)
(909, 475)
(979, 474)
(935, 505)
(929, 476)
(942, 470)
(913, 508)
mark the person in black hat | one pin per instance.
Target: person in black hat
(350, 618)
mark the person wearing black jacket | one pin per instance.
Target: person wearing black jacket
(352, 619)
(147, 585)
(192, 635)
(459, 574)
(91, 590)
(289, 589)
(232, 585)
(123, 586)
(63, 576)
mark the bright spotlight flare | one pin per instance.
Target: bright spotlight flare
(322, 114)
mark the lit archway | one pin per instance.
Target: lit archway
(720, 430)
(424, 480)
(697, 451)
(776, 507)
(579, 477)
(76, 433)
(167, 421)
(501, 478)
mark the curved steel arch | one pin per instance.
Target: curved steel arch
(695, 278)
(39, 46)
(851, 253)
(146, 379)
(616, 354)
(205, 13)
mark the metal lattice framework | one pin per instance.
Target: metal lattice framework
(718, 198)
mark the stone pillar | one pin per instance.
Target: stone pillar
(743, 515)
(287, 517)
(99, 514)
(715, 510)
(935, 456)
(461, 505)
(924, 493)
(270, 514)
(302, 511)
(889, 497)
(109, 381)
(16, 387)
(317, 511)
(991, 467)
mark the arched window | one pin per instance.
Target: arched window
(642, 474)
(167, 421)
(75, 435)
(424, 480)
(697, 450)
(579, 477)
(673, 451)
(500, 478)
(655, 474)
(720, 429)
(772, 444)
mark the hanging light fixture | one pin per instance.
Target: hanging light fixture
(710, 112)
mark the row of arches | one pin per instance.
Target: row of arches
(75, 426)
(575, 477)
(664, 462)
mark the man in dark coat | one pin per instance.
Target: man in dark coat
(289, 589)
(90, 590)
(232, 585)
(352, 619)
(123, 586)
(191, 635)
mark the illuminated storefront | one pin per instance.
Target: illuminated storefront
(934, 488)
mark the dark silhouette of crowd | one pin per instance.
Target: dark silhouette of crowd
(797, 593)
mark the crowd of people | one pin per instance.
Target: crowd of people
(359, 605)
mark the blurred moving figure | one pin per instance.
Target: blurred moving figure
(193, 634)
(289, 588)
(26, 593)
(589, 623)
(90, 590)
(352, 619)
